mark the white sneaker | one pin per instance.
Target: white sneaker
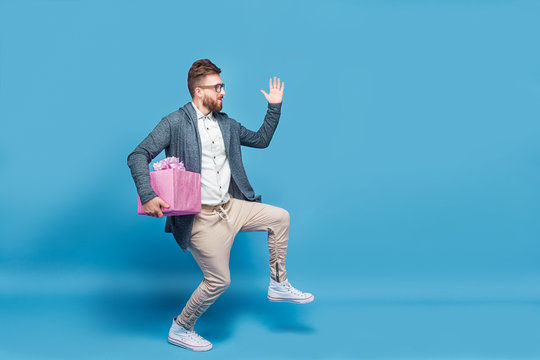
(284, 291)
(187, 339)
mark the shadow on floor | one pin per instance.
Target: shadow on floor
(151, 313)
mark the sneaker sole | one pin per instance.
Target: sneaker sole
(295, 301)
(189, 347)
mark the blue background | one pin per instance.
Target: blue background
(407, 154)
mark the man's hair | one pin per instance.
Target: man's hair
(199, 69)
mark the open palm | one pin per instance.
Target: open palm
(276, 91)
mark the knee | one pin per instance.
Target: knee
(218, 286)
(225, 283)
(283, 217)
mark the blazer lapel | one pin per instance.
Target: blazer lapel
(192, 116)
(224, 125)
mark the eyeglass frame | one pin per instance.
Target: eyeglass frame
(215, 87)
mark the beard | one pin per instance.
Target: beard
(212, 104)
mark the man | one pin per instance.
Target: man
(208, 142)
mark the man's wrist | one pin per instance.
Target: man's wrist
(147, 197)
(275, 106)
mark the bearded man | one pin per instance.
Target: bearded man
(208, 142)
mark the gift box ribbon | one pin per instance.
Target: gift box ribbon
(168, 163)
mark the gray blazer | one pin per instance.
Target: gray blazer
(178, 134)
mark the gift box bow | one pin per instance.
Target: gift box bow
(168, 163)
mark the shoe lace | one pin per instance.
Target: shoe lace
(195, 336)
(293, 290)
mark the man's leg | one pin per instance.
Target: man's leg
(212, 237)
(210, 244)
(275, 221)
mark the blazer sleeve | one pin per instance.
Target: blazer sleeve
(262, 137)
(148, 149)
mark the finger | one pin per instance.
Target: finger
(275, 82)
(278, 83)
(282, 86)
(270, 84)
(160, 214)
(164, 204)
(265, 94)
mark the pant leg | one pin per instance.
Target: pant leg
(274, 220)
(210, 244)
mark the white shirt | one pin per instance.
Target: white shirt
(215, 169)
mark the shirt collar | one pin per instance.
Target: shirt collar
(200, 114)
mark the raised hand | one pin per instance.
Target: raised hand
(276, 91)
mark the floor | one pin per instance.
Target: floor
(107, 315)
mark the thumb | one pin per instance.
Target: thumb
(164, 204)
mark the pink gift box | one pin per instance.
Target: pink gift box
(179, 188)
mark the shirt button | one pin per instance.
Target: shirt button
(212, 142)
(218, 172)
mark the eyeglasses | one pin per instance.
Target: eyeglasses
(216, 87)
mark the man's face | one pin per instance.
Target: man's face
(212, 100)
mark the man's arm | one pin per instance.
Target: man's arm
(262, 137)
(143, 154)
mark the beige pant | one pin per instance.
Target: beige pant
(214, 230)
